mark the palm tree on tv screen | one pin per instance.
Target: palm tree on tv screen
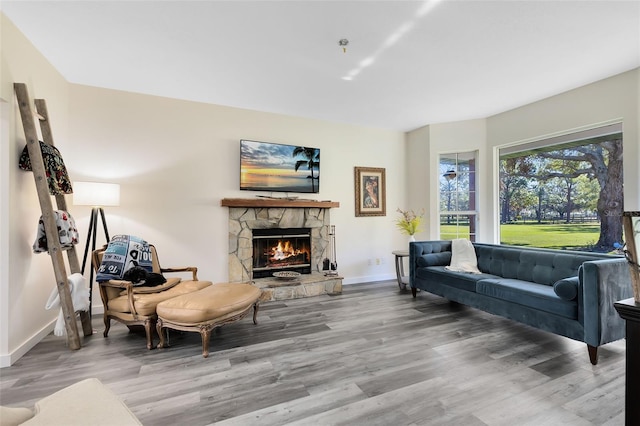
(312, 161)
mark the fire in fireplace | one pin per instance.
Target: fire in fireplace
(281, 250)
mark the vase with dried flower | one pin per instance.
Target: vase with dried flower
(410, 222)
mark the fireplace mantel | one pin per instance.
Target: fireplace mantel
(277, 202)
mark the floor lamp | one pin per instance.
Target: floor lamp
(97, 195)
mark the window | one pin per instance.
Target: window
(564, 192)
(458, 192)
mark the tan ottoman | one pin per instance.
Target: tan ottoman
(207, 309)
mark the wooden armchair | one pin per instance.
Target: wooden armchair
(136, 305)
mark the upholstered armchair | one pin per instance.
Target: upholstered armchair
(136, 305)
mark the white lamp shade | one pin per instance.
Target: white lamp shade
(96, 194)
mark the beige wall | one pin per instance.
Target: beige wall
(27, 279)
(612, 99)
(609, 100)
(175, 160)
(419, 181)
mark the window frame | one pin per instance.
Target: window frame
(459, 216)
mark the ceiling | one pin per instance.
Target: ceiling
(407, 64)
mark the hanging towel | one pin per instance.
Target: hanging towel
(79, 298)
(67, 232)
(57, 176)
(463, 257)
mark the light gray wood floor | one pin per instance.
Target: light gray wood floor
(371, 356)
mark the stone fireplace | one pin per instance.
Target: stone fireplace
(249, 216)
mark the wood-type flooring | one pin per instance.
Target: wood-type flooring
(371, 356)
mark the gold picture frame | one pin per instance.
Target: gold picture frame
(631, 225)
(370, 191)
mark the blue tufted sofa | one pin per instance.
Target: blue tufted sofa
(567, 293)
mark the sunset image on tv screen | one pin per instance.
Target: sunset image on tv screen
(268, 166)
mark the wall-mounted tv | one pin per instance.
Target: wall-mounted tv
(267, 166)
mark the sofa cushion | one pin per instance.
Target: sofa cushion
(567, 288)
(533, 265)
(461, 280)
(537, 296)
(499, 261)
(14, 416)
(88, 402)
(434, 259)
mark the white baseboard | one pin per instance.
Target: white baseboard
(7, 360)
(368, 279)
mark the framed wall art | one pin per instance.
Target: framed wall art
(631, 225)
(370, 191)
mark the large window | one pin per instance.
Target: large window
(564, 192)
(458, 192)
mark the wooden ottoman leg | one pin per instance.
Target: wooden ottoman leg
(255, 312)
(160, 333)
(107, 324)
(148, 329)
(205, 332)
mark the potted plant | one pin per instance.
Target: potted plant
(409, 222)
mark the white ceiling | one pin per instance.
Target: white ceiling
(408, 63)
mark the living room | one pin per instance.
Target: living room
(175, 160)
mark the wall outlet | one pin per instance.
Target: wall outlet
(369, 262)
(377, 261)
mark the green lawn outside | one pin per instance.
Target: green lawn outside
(578, 236)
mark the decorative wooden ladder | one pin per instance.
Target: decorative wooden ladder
(48, 216)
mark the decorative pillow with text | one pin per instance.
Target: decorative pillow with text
(123, 253)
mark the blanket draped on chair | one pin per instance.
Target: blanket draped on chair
(463, 257)
(123, 253)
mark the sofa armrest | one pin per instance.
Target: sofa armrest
(417, 249)
(603, 283)
(88, 402)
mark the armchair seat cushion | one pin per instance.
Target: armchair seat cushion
(145, 304)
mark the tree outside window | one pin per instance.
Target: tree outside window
(570, 188)
(457, 181)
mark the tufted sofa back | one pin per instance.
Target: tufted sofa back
(528, 264)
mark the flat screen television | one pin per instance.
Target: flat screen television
(267, 166)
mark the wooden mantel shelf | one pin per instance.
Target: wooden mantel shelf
(277, 202)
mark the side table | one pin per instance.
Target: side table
(403, 280)
(630, 312)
